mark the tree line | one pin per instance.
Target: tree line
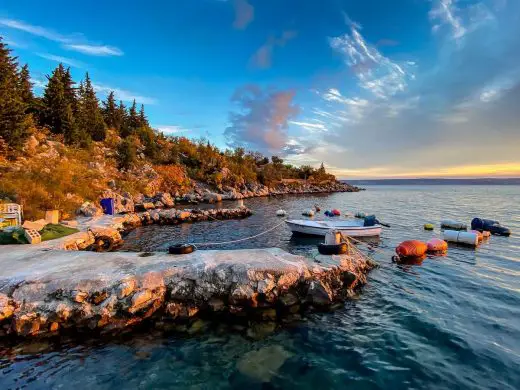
(67, 108)
(73, 113)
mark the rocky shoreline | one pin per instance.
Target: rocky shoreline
(106, 233)
(46, 293)
(125, 202)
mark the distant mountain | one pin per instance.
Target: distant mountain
(425, 181)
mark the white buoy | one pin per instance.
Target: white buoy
(453, 225)
(281, 213)
(308, 213)
(460, 237)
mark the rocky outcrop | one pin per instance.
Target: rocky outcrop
(107, 236)
(43, 293)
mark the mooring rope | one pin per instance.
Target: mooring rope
(240, 239)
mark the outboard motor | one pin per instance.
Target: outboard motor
(370, 220)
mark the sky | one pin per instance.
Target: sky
(373, 89)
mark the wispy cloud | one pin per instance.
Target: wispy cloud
(124, 95)
(244, 14)
(95, 50)
(310, 126)
(263, 57)
(171, 129)
(445, 13)
(65, 60)
(74, 42)
(374, 72)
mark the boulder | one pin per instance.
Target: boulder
(165, 198)
(211, 197)
(89, 209)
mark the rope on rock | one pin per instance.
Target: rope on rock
(240, 239)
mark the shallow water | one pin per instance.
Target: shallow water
(450, 322)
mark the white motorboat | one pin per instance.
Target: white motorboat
(353, 228)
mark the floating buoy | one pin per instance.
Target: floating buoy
(428, 226)
(281, 213)
(437, 246)
(460, 237)
(336, 212)
(491, 226)
(453, 225)
(479, 235)
(360, 215)
(411, 248)
(181, 249)
(308, 213)
(333, 249)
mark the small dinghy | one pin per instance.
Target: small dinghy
(320, 228)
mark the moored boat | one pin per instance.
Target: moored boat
(353, 228)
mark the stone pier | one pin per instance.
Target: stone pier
(46, 292)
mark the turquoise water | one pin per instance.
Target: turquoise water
(450, 322)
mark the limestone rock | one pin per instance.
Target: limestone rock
(89, 209)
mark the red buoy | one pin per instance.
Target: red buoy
(411, 248)
(436, 245)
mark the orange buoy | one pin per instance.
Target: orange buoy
(336, 212)
(436, 245)
(480, 235)
(411, 248)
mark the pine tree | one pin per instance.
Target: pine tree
(143, 120)
(25, 87)
(69, 90)
(110, 112)
(54, 101)
(132, 122)
(90, 118)
(121, 118)
(13, 120)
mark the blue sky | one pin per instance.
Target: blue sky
(374, 88)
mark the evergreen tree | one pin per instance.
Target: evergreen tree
(132, 122)
(143, 120)
(25, 87)
(121, 117)
(13, 120)
(110, 112)
(69, 90)
(90, 117)
(54, 101)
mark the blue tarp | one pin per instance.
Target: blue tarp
(107, 204)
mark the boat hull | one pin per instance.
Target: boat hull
(352, 231)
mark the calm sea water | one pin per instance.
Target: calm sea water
(451, 322)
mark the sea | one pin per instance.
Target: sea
(450, 322)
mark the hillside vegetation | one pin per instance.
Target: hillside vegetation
(65, 147)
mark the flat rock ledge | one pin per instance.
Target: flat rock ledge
(51, 292)
(106, 234)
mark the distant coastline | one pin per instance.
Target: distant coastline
(426, 181)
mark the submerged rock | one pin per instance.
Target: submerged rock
(263, 364)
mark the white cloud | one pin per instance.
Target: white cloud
(171, 129)
(124, 95)
(64, 60)
(38, 83)
(312, 127)
(74, 42)
(375, 72)
(445, 13)
(95, 50)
